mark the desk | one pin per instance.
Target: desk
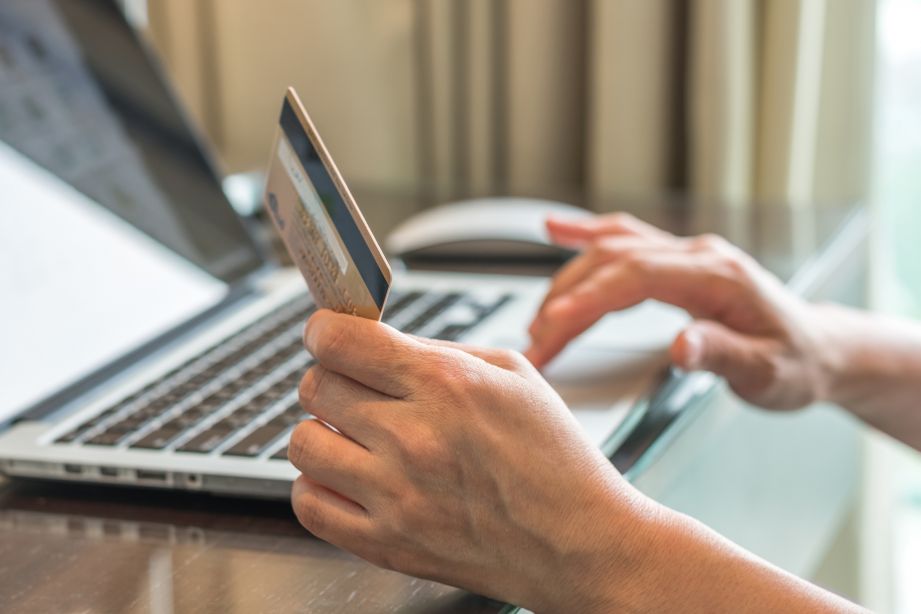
(778, 484)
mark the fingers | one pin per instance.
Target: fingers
(606, 250)
(684, 279)
(328, 515)
(575, 233)
(332, 460)
(341, 402)
(366, 351)
(567, 316)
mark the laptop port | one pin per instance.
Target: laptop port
(151, 476)
(73, 469)
(108, 472)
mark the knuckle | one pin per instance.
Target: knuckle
(634, 262)
(310, 515)
(719, 256)
(308, 387)
(447, 368)
(735, 267)
(515, 361)
(592, 253)
(508, 357)
(709, 242)
(621, 220)
(612, 247)
(313, 519)
(460, 381)
(332, 340)
(301, 447)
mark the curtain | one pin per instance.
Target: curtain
(736, 101)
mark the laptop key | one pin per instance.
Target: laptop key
(398, 305)
(293, 414)
(106, 438)
(280, 454)
(494, 307)
(238, 420)
(453, 331)
(72, 435)
(187, 420)
(257, 441)
(121, 428)
(159, 438)
(195, 413)
(432, 311)
(85, 427)
(207, 440)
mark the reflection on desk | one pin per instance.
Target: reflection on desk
(72, 549)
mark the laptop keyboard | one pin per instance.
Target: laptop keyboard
(238, 398)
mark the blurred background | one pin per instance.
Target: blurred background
(732, 100)
(788, 103)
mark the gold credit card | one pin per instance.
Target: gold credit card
(319, 222)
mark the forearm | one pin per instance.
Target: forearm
(684, 566)
(873, 369)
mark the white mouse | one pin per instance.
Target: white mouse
(497, 227)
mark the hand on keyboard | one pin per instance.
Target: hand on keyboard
(748, 327)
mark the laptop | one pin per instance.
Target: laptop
(146, 339)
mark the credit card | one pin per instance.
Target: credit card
(318, 221)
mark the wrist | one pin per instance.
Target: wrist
(872, 367)
(606, 568)
(848, 354)
(678, 564)
(643, 557)
(831, 357)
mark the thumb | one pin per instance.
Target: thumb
(710, 346)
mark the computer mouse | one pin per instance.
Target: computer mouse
(499, 228)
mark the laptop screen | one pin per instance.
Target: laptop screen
(80, 97)
(113, 225)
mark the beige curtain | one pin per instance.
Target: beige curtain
(732, 100)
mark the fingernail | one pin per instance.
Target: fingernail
(693, 348)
